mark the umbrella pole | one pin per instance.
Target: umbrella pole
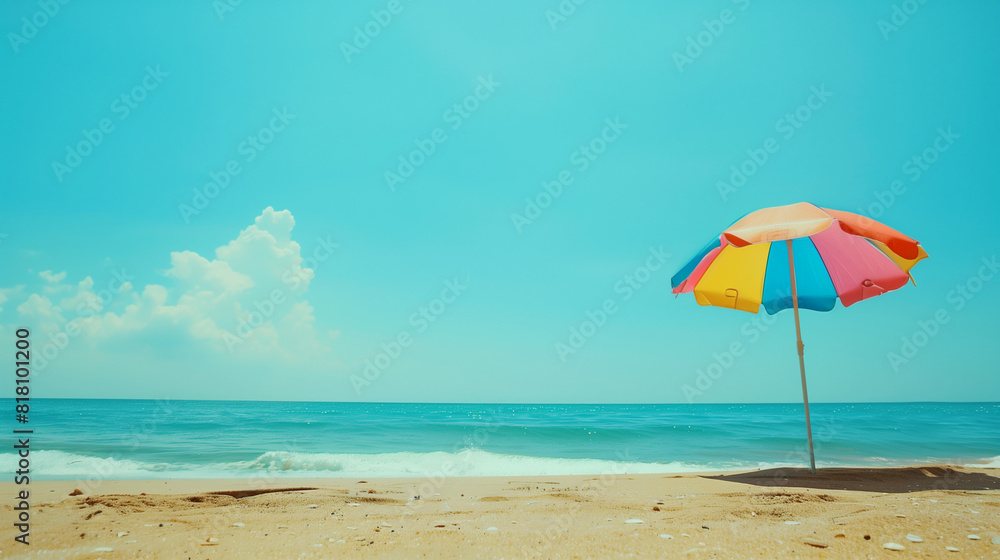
(802, 360)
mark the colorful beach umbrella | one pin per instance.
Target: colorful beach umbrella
(799, 256)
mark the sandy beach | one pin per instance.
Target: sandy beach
(786, 513)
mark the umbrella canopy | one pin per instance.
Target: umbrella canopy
(838, 255)
(796, 256)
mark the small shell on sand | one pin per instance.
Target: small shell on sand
(952, 549)
(492, 529)
(633, 521)
(122, 533)
(312, 506)
(816, 543)
(996, 540)
(666, 536)
(793, 522)
(973, 537)
(353, 504)
(239, 525)
(914, 538)
(893, 546)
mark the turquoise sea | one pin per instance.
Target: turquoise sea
(138, 439)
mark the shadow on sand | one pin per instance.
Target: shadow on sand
(892, 480)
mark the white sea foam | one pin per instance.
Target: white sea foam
(62, 465)
(54, 465)
(468, 462)
(279, 464)
(989, 463)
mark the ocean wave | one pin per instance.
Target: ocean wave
(54, 465)
(467, 462)
(63, 465)
(988, 463)
(59, 465)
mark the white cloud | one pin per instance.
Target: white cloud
(265, 252)
(52, 278)
(203, 303)
(41, 311)
(5, 294)
(197, 272)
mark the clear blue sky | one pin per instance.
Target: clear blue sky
(179, 88)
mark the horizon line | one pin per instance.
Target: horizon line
(500, 403)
